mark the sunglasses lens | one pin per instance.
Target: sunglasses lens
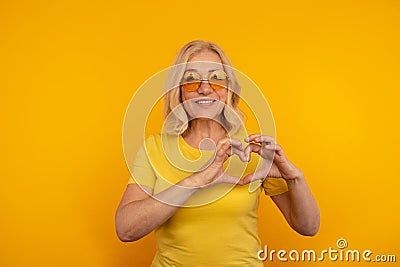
(218, 80)
(191, 81)
(191, 87)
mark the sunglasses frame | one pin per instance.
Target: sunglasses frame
(205, 80)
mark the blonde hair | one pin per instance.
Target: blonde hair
(177, 121)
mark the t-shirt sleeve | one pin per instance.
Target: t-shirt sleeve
(274, 186)
(142, 172)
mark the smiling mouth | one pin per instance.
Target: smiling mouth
(205, 101)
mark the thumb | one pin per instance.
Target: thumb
(227, 179)
(248, 178)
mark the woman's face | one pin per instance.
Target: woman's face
(205, 102)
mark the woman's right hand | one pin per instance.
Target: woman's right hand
(138, 214)
(214, 173)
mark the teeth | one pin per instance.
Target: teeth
(204, 101)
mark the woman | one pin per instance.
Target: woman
(197, 220)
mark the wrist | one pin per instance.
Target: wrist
(193, 181)
(295, 180)
(202, 178)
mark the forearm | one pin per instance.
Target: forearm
(304, 212)
(138, 218)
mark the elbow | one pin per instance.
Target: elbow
(124, 232)
(126, 236)
(123, 235)
(309, 229)
(126, 239)
(127, 233)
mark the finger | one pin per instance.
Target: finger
(222, 148)
(278, 149)
(236, 143)
(240, 153)
(237, 148)
(249, 178)
(227, 179)
(223, 144)
(222, 141)
(252, 147)
(252, 137)
(259, 138)
(264, 145)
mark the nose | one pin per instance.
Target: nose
(205, 88)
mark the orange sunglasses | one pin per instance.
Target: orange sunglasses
(192, 80)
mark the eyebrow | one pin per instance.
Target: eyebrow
(197, 70)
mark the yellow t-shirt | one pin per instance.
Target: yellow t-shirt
(218, 226)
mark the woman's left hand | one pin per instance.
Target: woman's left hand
(275, 163)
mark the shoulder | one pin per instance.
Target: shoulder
(157, 138)
(153, 138)
(152, 142)
(159, 142)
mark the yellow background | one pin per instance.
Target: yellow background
(329, 69)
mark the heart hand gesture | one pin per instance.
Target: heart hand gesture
(275, 164)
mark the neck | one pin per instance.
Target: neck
(200, 129)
